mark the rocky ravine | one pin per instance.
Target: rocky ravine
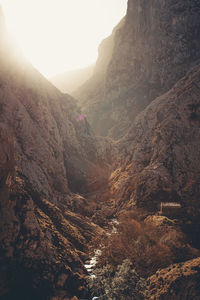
(49, 159)
(155, 46)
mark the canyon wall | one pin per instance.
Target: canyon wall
(155, 46)
(160, 154)
(48, 156)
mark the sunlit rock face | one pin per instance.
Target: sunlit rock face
(157, 44)
(47, 155)
(160, 154)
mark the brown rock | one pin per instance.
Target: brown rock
(177, 282)
(160, 153)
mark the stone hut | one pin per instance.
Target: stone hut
(170, 209)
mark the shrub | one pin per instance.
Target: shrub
(123, 282)
(139, 244)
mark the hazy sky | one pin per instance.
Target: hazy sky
(60, 35)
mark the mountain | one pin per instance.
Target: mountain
(48, 157)
(160, 153)
(156, 45)
(147, 98)
(127, 203)
(70, 81)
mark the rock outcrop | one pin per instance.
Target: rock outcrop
(179, 281)
(155, 46)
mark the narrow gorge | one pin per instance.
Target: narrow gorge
(113, 168)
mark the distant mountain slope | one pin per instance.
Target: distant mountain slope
(155, 46)
(94, 86)
(72, 82)
(68, 82)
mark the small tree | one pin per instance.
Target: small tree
(127, 282)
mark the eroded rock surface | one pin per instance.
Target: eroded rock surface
(178, 282)
(160, 154)
(161, 149)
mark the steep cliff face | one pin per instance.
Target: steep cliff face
(48, 154)
(160, 153)
(155, 47)
(159, 163)
(93, 88)
(46, 128)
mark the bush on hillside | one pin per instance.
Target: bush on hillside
(139, 244)
(123, 281)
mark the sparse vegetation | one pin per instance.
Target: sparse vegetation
(148, 245)
(109, 282)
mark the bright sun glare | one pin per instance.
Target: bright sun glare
(60, 35)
